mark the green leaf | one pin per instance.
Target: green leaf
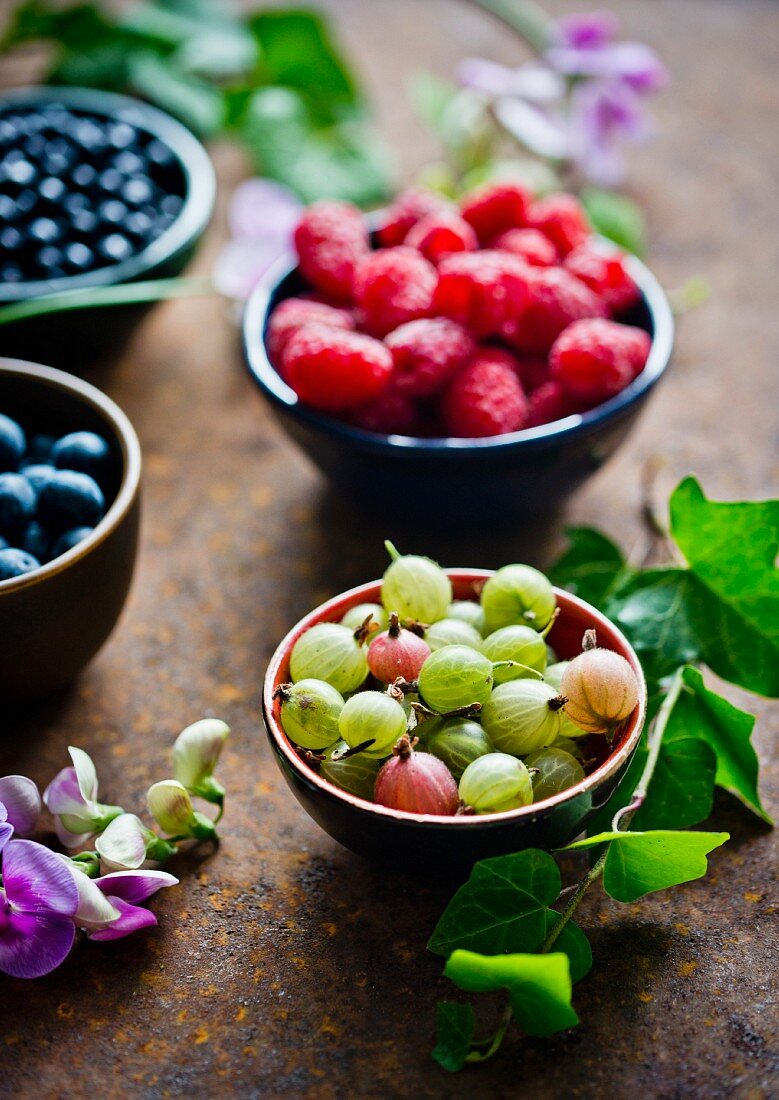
(640, 863)
(616, 217)
(703, 714)
(652, 609)
(454, 1032)
(732, 601)
(196, 103)
(502, 907)
(539, 986)
(590, 567)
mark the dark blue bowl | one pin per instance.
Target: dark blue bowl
(75, 338)
(442, 479)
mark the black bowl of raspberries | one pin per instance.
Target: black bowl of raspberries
(96, 190)
(487, 356)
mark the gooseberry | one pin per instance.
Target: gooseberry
(416, 588)
(309, 712)
(456, 741)
(330, 652)
(518, 594)
(416, 782)
(555, 771)
(372, 716)
(356, 616)
(397, 652)
(522, 715)
(601, 689)
(454, 677)
(495, 783)
(356, 774)
(522, 644)
(469, 612)
(554, 677)
(452, 632)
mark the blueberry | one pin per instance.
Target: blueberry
(113, 211)
(7, 207)
(25, 201)
(159, 153)
(14, 563)
(70, 539)
(4, 543)
(12, 443)
(121, 135)
(86, 452)
(39, 448)
(36, 541)
(45, 230)
(84, 221)
(83, 175)
(70, 499)
(128, 163)
(11, 240)
(137, 192)
(19, 171)
(115, 247)
(51, 189)
(171, 205)
(17, 503)
(37, 473)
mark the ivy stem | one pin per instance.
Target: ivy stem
(152, 290)
(495, 1042)
(523, 16)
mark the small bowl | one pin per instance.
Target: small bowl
(55, 619)
(432, 840)
(446, 479)
(73, 338)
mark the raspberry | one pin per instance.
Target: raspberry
(438, 235)
(556, 299)
(562, 219)
(529, 244)
(484, 399)
(391, 413)
(405, 212)
(427, 354)
(604, 273)
(393, 286)
(331, 239)
(292, 314)
(532, 372)
(483, 291)
(593, 360)
(637, 345)
(335, 371)
(494, 208)
(548, 403)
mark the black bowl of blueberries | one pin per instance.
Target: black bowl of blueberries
(96, 190)
(70, 467)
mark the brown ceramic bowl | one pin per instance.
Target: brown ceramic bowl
(54, 620)
(430, 841)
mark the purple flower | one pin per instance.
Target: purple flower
(108, 907)
(262, 219)
(38, 900)
(20, 805)
(583, 46)
(603, 114)
(72, 798)
(588, 31)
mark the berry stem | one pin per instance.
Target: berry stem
(394, 625)
(492, 1045)
(393, 553)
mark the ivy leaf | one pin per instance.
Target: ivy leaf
(590, 567)
(652, 608)
(539, 986)
(733, 598)
(502, 907)
(197, 104)
(616, 217)
(640, 863)
(454, 1033)
(725, 729)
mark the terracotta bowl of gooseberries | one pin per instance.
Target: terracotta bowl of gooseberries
(457, 839)
(491, 479)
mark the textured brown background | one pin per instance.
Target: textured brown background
(283, 965)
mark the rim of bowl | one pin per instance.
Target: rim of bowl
(199, 183)
(124, 434)
(367, 593)
(256, 314)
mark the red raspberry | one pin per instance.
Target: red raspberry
(529, 244)
(484, 399)
(603, 272)
(637, 345)
(562, 219)
(406, 211)
(494, 208)
(427, 354)
(335, 371)
(483, 291)
(548, 403)
(438, 235)
(294, 313)
(393, 286)
(331, 239)
(593, 360)
(533, 372)
(391, 413)
(556, 299)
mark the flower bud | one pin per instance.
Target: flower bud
(127, 844)
(173, 811)
(195, 755)
(72, 798)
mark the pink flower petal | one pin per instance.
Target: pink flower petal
(33, 944)
(37, 880)
(260, 208)
(132, 918)
(22, 801)
(134, 886)
(95, 911)
(63, 795)
(241, 265)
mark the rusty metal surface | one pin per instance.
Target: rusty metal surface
(283, 965)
